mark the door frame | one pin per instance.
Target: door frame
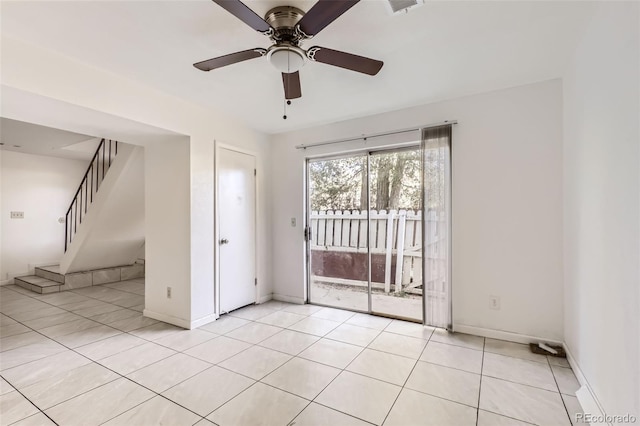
(368, 152)
(216, 217)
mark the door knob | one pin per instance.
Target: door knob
(224, 241)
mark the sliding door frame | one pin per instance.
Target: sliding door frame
(368, 153)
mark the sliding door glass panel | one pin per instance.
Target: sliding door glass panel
(338, 249)
(396, 233)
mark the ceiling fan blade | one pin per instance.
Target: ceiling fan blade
(245, 14)
(223, 61)
(344, 60)
(291, 83)
(322, 14)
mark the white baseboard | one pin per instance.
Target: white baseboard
(202, 321)
(265, 298)
(288, 299)
(502, 335)
(586, 397)
(190, 325)
(167, 318)
(6, 282)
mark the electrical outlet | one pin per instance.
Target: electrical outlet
(293, 222)
(494, 303)
(168, 292)
(17, 215)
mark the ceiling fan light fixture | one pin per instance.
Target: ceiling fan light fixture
(286, 59)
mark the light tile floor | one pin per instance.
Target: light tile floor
(89, 357)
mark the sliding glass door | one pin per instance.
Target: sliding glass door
(338, 244)
(365, 232)
(396, 233)
(379, 230)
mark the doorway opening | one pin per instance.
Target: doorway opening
(365, 231)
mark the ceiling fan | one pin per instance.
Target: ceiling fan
(288, 27)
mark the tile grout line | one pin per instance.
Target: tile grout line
(190, 377)
(416, 360)
(67, 311)
(484, 344)
(295, 356)
(252, 345)
(149, 399)
(407, 379)
(519, 383)
(244, 350)
(70, 349)
(225, 359)
(104, 384)
(15, 389)
(509, 417)
(91, 361)
(564, 404)
(522, 384)
(364, 348)
(442, 366)
(329, 384)
(256, 344)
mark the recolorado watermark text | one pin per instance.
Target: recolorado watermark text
(611, 419)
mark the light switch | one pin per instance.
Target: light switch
(17, 215)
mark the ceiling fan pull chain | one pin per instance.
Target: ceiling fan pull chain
(284, 105)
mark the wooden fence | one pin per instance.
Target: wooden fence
(396, 244)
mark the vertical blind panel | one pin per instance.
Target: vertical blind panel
(436, 154)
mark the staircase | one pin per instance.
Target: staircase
(104, 225)
(106, 229)
(89, 186)
(49, 279)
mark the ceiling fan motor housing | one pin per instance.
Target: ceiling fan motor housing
(283, 19)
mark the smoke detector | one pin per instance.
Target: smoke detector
(402, 6)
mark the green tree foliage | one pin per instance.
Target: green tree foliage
(341, 184)
(337, 184)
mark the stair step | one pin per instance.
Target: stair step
(38, 284)
(48, 279)
(51, 273)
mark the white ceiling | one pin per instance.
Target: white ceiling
(40, 140)
(437, 51)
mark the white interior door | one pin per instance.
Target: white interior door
(237, 229)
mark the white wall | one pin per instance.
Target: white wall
(41, 187)
(601, 207)
(507, 204)
(166, 195)
(141, 253)
(101, 103)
